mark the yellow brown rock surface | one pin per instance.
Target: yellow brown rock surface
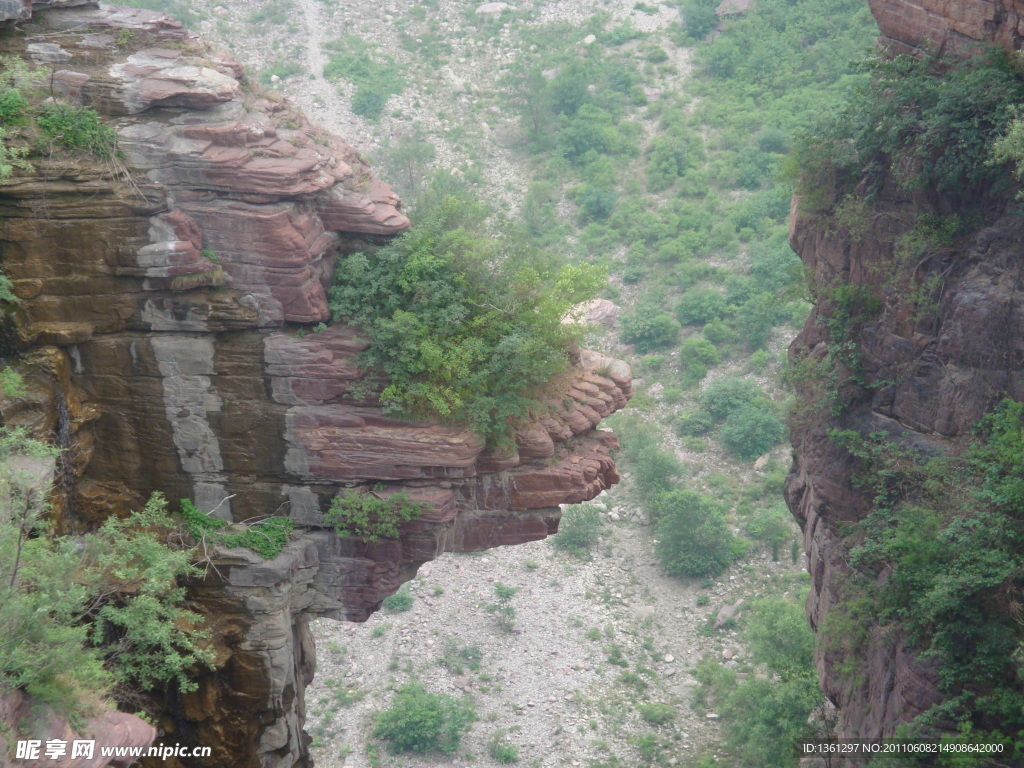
(159, 329)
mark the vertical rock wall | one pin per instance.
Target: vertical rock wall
(929, 375)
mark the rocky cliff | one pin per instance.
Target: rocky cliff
(166, 298)
(908, 25)
(929, 370)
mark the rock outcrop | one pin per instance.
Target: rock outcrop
(170, 302)
(55, 739)
(929, 371)
(908, 25)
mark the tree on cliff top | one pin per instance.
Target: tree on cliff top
(464, 323)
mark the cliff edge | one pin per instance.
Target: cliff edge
(166, 298)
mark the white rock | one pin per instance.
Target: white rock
(492, 9)
(589, 40)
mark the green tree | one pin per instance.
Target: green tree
(693, 536)
(420, 721)
(752, 429)
(463, 325)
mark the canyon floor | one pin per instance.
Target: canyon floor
(594, 638)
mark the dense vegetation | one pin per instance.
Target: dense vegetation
(766, 715)
(465, 324)
(266, 537)
(927, 123)
(367, 514)
(86, 617)
(947, 532)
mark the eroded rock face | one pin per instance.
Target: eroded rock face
(931, 374)
(167, 323)
(907, 25)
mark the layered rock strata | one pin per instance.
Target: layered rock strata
(170, 303)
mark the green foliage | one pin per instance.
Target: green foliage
(78, 129)
(398, 602)
(655, 471)
(726, 396)
(11, 157)
(699, 306)
(752, 429)
(364, 513)
(13, 106)
(697, 350)
(376, 77)
(657, 714)
(465, 325)
(699, 18)
(501, 749)
(780, 637)
(504, 613)
(692, 423)
(455, 656)
(266, 538)
(139, 625)
(11, 383)
(754, 709)
(90, 615)
(693, 536)
(948, 533)
(579, 529)
(772, 526)
(929, 122)
(420, 721)
(648, 329)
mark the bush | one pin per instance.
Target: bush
(780, 637)
(699, 18)
(691, 423)
(725, 396)
(12, 106)
(697, 349)
(579, 529)
(266, 538)
(772, 526)
(398, 602)
(374, 517)
(699, 306)
(79, 129)
(693, 536)
(376, 77)
(464, 325)
(655, 471)
(418, 721)
(928, 122)
(752, 430)
(657, 714)
(649, 329)
(717, 332)
(501, 749)
(84, 617)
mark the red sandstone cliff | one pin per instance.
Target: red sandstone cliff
(929, 375)
(160, 304)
